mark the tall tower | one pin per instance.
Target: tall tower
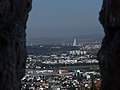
(75, 42)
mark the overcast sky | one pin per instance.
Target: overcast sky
(64, 18)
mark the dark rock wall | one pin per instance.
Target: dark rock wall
(109, 54)
(13, 17)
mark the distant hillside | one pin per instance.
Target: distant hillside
(91, 37)
(47, 49)
(61, 40)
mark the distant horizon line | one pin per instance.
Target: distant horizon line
(66, 36)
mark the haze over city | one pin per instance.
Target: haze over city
(64, 18)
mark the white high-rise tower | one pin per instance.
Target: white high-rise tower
(75, 42)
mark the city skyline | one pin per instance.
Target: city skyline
(63, 18)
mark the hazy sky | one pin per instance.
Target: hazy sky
(64, 18)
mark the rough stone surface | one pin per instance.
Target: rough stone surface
(109, 54)
(13, 17)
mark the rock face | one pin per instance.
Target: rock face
(109, 54)
(13, 17)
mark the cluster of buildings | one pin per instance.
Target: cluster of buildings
(75, 69)
(73, 57)
(87, 54)
(61, 80)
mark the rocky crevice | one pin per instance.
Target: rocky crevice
(109, 54)
(13, 17)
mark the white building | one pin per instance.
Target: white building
(75, 42)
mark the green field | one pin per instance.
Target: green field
(80, 67)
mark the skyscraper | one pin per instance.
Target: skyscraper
(75, 42)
